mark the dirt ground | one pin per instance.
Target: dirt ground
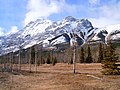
(59, 77)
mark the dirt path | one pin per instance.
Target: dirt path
(60, 77)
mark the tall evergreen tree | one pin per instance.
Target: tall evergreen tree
(82, 55)
(109, 61)
(89, 56)
(100, 57)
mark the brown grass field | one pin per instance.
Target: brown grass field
(59, 77)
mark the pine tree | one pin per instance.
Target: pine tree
(100, 57)
(82, 55)
(109, 61)
(89, 57)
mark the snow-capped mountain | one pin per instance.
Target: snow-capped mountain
(49, 33)
(106, 33)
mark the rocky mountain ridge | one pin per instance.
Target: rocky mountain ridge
(50, 33)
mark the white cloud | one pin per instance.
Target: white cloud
(111, 11)
(102, 22)
(42, 8)
(45, 8)
(107, 15)
(14, 29)
(2, 31)
(100, 14)
(94, 1)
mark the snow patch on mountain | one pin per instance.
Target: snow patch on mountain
(36, 27)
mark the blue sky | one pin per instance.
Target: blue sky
(15, 14)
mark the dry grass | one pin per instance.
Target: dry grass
(59, 77)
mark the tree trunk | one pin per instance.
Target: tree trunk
(30, 59)
(11, 60)
(36, 58)
(19, 63)
(74, 63)
(4, 62)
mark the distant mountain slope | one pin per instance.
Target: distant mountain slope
(109, 32)
(52, 33)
